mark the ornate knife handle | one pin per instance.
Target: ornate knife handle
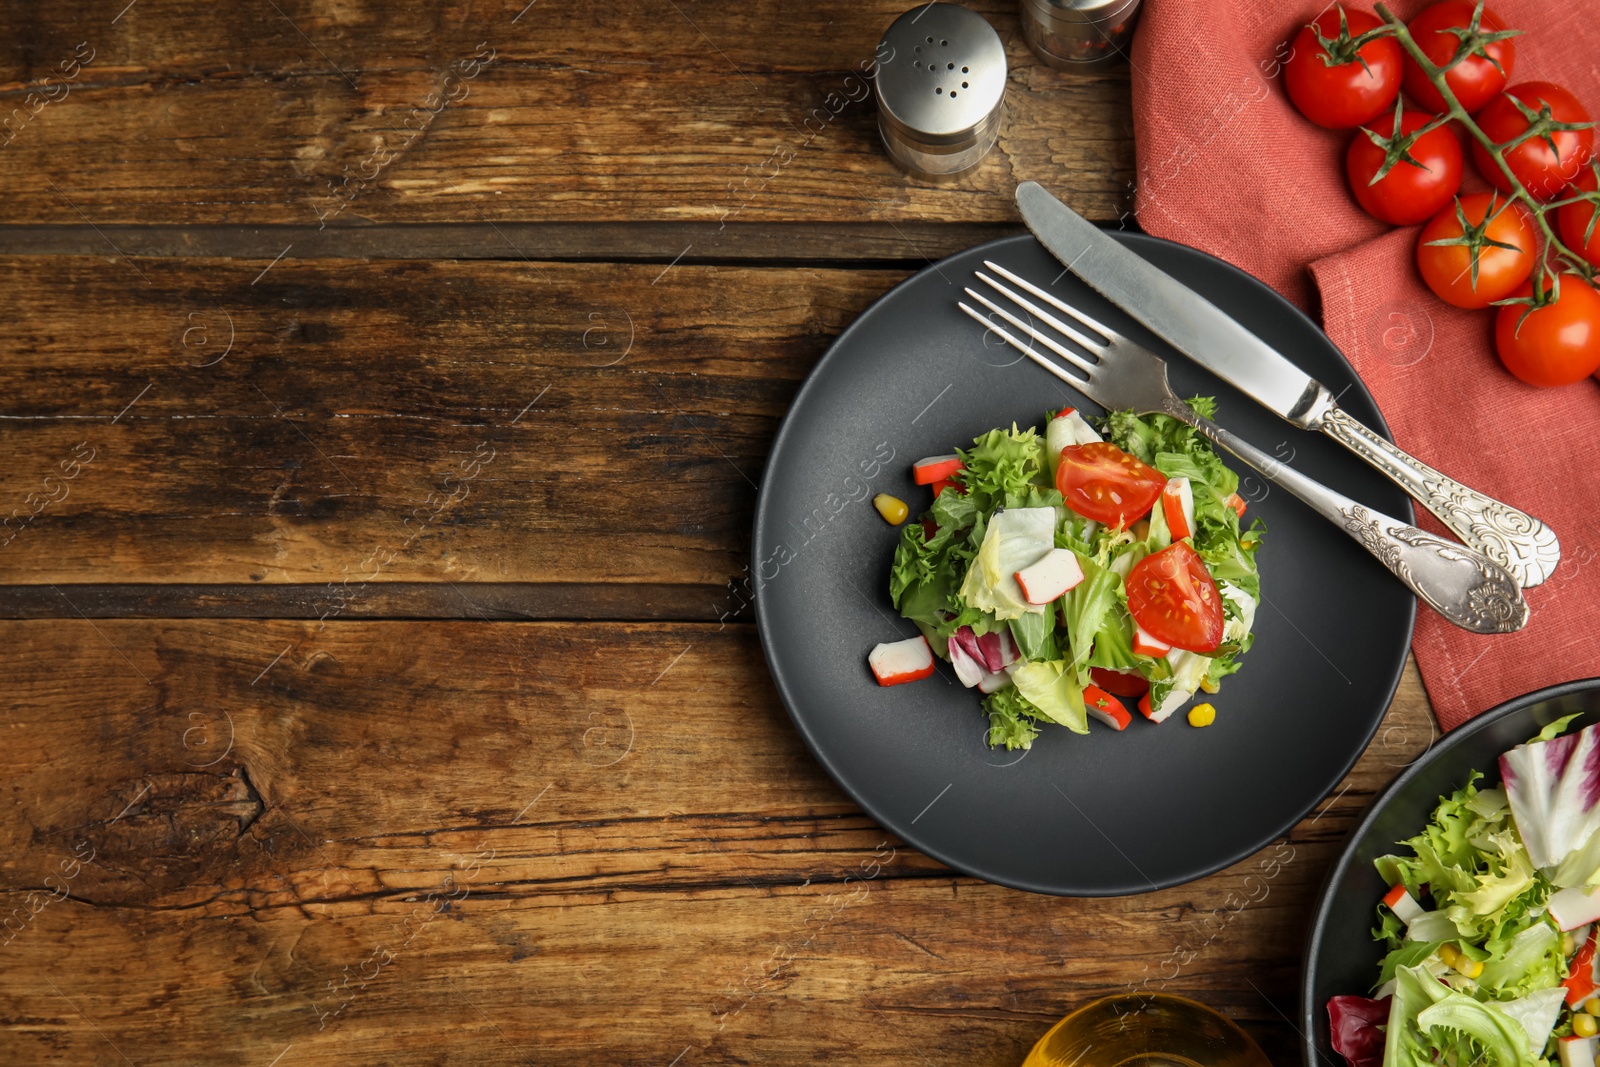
(1520, 543)
(1465, 586)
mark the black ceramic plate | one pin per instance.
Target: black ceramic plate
(1106, 813)
(1341, 956)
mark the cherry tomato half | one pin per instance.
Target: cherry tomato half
(1347, 93)
(1448, 268)
(1573, 219)
(1557, 344)
(1102, 482)
(1172, 596)
(1476, 79)
(1417, 186)
(1542, 171)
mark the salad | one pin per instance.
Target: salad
(1062, 573)
(1490, 923)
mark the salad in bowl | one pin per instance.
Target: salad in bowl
(1489, 925)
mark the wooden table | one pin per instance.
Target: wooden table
(386, 389)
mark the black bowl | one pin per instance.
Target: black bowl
(1341, 957)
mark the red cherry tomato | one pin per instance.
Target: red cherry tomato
(1418, 185)
(1574, 221)
(1102, 482)
(1347, 93)
(1120, 683)
(1542, 171)
(1475, 80)
(1172, 596)
(1557, 344)
(1448, 268)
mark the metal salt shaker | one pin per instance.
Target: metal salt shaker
(1078, 34)
(941, 79)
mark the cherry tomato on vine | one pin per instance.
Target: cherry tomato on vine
(1542, 171)
(1448, 268)
(1556, 344)
(1102, 482)
(1423, 174)
(1172, 595)
(1481, 74)
(1345, 91)
(1579, 229)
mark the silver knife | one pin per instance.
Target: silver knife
(1523, 545)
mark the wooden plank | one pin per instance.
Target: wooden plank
(503, 842)
(881, 244)
(343, 423)
(459, 111)
(631, 601)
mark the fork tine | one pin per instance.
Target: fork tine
(1079, 384)
(1055, 302)
(1043, 338)
(1097, 346)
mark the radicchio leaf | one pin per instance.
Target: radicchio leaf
(1554, 790)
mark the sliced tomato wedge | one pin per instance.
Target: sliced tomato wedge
(1102, 482)
(1172, 596)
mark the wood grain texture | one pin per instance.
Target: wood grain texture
(909, 244)
(331, 421)
(342, 113)
(421, 843)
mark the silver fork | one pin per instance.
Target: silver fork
(1463, 585)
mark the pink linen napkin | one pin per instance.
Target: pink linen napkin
(1226, 164)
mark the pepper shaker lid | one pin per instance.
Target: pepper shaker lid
(941, 79)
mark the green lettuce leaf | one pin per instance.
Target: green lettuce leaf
(1502, 1040)
(1013, 721)
(1086, 609)
(1035, 635)
(1055, 691)
(1555, 729)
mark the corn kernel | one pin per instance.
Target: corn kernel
(1592, 1005)
(1583, 1024)
(1202, 715)
(1449, 954)
(1469, 968)
(1567, 945)
(1208, 686)
(893, 509)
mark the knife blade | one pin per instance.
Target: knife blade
(1212, 338)
(1171, 310)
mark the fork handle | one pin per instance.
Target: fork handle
(1465, 586)
(1518, 542)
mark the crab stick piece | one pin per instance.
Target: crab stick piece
(1174, 700)
(898, 662)
(1572, 907)
(1177, 502)
(1105, 707)
(1145, 645)
(1236, 502)
(1050, 576)
(1580, 982)
(934, 469)
(1082, 432)
(1403, 904)
(1576, 1051)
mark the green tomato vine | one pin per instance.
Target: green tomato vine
(1540, 124)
